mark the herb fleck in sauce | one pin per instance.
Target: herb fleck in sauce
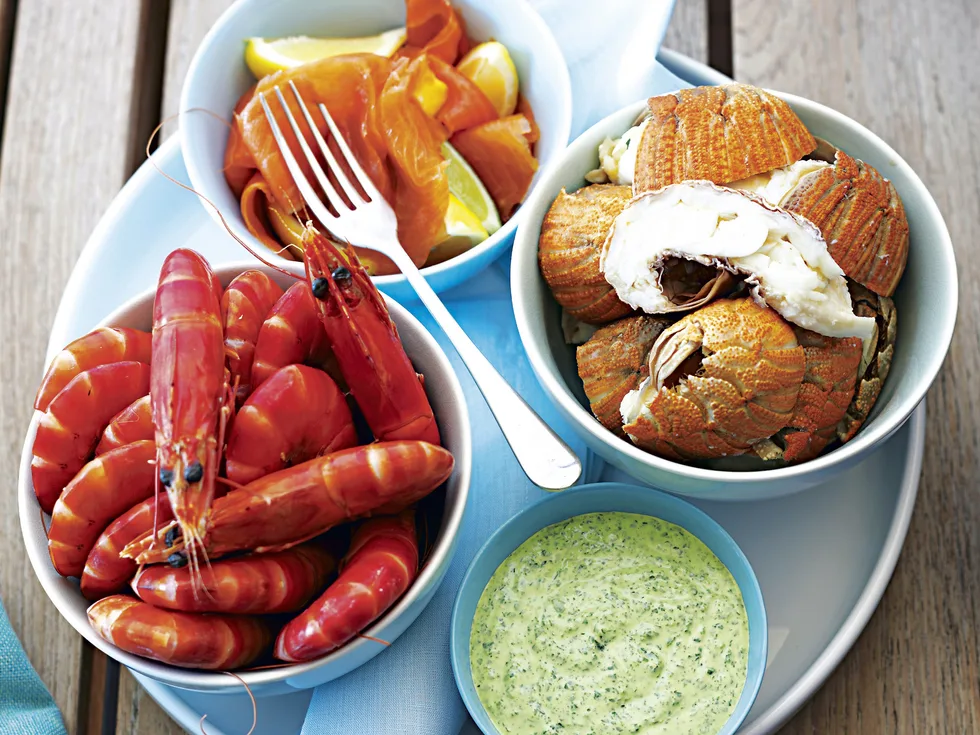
(610, 623)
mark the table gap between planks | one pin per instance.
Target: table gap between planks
(74, 124)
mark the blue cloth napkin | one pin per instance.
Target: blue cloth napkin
(26, 706)
(409, 687)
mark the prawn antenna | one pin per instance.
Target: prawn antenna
(214, 207)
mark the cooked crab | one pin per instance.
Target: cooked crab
(827, 390)
(720, 380)
(612, 363)
(876, 360)
(861, 217)
(718, 133)
(857, 210)
(782, 256)
(569, 247)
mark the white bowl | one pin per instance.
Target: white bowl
(925, 300)
(218, 77)
(449, 406)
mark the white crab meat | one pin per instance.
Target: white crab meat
(783, 257)
(775, 185)
(617, 158)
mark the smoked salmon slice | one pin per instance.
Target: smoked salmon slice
(466, 106)
(350, 87)
(434, 27)
(415, 146)
(500, 153)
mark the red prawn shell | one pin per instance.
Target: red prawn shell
(102, 490)
(256, 584)
(99, 347)
(68, 432)
(369, 351)
(134, 423)
(216, 642)
(297, 414)
(106, 571)
(187, 380)
(380, 566)
(284, 509)
(244, 306)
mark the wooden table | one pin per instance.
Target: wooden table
(82, 84)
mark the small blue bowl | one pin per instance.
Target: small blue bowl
(607, 496)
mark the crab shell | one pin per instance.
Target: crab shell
(721, 379)
(569, 247)
(719, 134)
(827, 390)
(860, 216)
(613, 362)
(876, 362)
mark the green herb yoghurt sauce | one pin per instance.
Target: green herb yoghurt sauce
(610, 623)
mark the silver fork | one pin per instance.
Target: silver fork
(370, 223)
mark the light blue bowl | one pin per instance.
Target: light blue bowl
(607, 496)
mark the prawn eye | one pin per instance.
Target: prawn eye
(193, 472)
(320, 288)
(342, 276)
(171, 536)
(166, 477)
(177, 560)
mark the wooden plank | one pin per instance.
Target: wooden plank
(64, 156)
(908, 72)
(7, 13)
(139, 714)
(688, 29)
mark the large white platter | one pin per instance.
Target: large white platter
(823, 557)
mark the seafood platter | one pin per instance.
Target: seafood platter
(262, 468)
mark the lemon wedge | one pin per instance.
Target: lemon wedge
(265, 56)
(490, 68)
(463, 231)
(430, 91)
(467, 187)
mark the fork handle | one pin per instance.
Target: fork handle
(547, 460)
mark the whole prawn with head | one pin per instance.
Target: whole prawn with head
(191, 397)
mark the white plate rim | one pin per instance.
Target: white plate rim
(795, 695)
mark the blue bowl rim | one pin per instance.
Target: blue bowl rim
(459, 654)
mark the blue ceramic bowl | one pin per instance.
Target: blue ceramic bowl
(608, 496)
